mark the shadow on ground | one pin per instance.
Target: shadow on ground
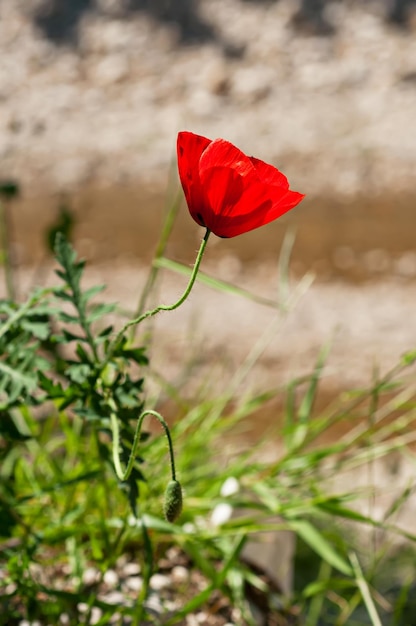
(59, 20)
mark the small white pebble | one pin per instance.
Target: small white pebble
(121, 561)
(170, 605)
(236, 615)
(36, 571)
(64, 619)
(180, 574)
(90, 576)
(154, 604)
(230, 487)
(111, 578)
(131, 569)
(96, 615)
(172, 554)
(221, 514)
(159, 581)
(113, 597)
(134, 583)
(82, 607)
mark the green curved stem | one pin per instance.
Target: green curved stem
(160, 250)
(124, 474)
(167, 307)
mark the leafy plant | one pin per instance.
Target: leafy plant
(81, 485)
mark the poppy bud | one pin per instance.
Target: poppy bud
(172, 505)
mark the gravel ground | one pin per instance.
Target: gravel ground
(337, 112)
(175, 582)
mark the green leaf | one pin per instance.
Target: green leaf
(19, 381)
(135, 354)
(53, 389)
(82, 354)
(127, 398)
(88, 414)
(63, 294)
(365, 590)
(214, 283)
(409, 357)
(7, 520)
(99, 310)
(305, 408)
(71, 395)
(72, 268)
(78, 373)
(106, 331)
(311, 535)
(9, 430)
(64, 223)
(40, 330)
(92, 291)
(67, 318)
(68, 336)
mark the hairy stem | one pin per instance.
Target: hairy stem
(165, 307)
(124, 474)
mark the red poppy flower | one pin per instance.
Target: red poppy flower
(228, 192)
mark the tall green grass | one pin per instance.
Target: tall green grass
(311, 473)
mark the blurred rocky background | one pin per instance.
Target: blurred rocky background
(95, 90)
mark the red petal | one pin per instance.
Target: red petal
(230, 194)
(190, 148)
(269, 174)
(229, 182)
(239, 203)
(263, 214)
(221, 153)
(227, 191)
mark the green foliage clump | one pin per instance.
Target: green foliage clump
(81, 485)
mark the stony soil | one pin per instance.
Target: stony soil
(337, 112)
(175, 582)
